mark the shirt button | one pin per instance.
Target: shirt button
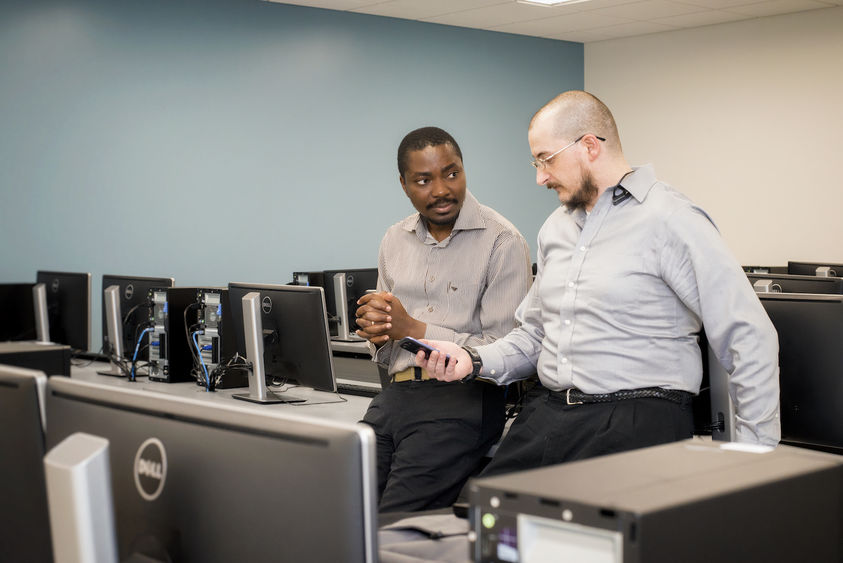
(582, 249)
(567, 321)
(570, 284)
(493, 372)
(564, 360)
(430, 309)
(432, 278)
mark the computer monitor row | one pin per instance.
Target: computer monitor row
(200, 334)
(799, 268)
(342, 290)
(111, 473)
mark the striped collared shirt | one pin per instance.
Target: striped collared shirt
(465, 288)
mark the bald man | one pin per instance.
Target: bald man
(629, 273)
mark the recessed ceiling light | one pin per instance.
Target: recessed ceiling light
(550, 3)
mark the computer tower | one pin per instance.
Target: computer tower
(216, 339)
(690, 501)
(172, 319)
(52, 359)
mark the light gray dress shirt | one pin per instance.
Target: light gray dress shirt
(465, 288)
(619, 300)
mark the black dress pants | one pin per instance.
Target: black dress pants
(549, 431)
(431, 437)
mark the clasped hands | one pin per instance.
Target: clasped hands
(381, 317)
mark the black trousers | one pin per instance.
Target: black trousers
(549, 431)
(431, 437)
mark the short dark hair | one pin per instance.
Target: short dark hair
(421, 138)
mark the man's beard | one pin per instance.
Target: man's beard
(585, 195)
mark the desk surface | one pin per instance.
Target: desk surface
(319, 404)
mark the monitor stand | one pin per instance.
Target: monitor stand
(114, 370)
(253, 329)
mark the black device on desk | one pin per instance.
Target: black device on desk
(171, 347)
(18, 312)
(217, 344)
(201, 481)
(24, 521)
(294, 333)
(691, 501)
(68, 307)
(133, 296)
(810, 365)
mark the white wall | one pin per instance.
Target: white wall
(746, 119)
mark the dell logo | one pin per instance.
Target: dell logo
(266, 305)
(54, 287)
(129, 291)
(150, 469)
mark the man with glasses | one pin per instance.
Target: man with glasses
(629, 273)
(455, 270)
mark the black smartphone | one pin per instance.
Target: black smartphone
(411, 344)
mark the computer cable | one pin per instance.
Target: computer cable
(201, 359)
(135, 355)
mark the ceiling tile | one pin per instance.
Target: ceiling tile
(501, 14)
(413, 9)
(550, 27)
(648, 9)
(775, 7)
(698, 19)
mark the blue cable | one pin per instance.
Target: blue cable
(135, 356)
(202, 361)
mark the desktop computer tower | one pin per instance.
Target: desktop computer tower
(216, 338)
(690, 501)
(170, 355)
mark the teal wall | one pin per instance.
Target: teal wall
(243, 140)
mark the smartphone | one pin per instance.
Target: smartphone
(411, 344)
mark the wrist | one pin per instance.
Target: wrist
(476, 364)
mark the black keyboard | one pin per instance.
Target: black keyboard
(362, 390)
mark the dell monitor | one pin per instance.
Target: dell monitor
(24, 521)
(822, 269)
(201, 481)
(294, 333)
(810, 363)
(68, 307)
(787, 283)
(342, 290)
(134, 306)
(18, 306)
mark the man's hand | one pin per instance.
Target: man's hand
(381, 317)
(458, 366)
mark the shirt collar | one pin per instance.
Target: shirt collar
(469, 218)
(640, 181)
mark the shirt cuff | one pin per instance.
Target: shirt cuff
(381, 355)
(493, 362)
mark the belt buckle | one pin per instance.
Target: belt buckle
(568, 398)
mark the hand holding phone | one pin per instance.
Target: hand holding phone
(411, 344)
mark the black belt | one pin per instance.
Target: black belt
(576, 397)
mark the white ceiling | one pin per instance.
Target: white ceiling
(592, 20)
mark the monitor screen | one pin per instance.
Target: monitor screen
(201, 481)
(134, 308)
(24, 520)
(68, 307)
(18, 306)
(810, 363)
(357, 282)
(295, 333)
(810, 268)
(786, 283)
